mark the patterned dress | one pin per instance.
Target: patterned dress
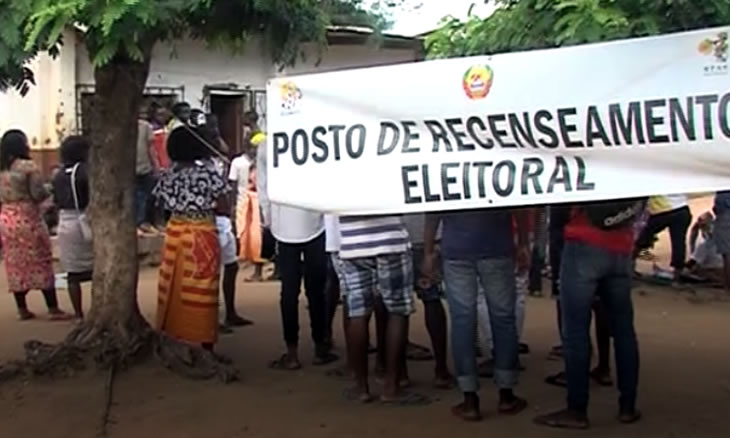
(189, 275)
(25, 239)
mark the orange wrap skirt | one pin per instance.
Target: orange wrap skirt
(248, 224)
(188, 286)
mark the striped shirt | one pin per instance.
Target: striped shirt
(370, 236)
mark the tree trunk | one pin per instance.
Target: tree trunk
(119, 91)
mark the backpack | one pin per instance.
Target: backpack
(615, 214)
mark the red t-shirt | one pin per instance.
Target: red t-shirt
(160, 148)
(580, 229)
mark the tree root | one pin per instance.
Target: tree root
(90, 345)
(194, 363)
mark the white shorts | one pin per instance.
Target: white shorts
(227, 240)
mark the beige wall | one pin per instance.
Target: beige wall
(47, 113)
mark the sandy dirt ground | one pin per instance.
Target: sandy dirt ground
(685, 381)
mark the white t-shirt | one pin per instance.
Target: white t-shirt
(332, 232)
(288, 224)
(240, 167)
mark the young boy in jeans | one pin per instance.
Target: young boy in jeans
(596, 260)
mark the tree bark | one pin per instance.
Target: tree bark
(119, 91)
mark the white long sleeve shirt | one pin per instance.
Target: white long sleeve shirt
(287, 224)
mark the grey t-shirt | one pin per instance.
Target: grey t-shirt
(145, 135)
(415, 224)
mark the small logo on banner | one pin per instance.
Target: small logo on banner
(717, 48)
(478, 81)
(291, 95)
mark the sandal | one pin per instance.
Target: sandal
(59, 315)
(341, 372)
(565, 419)
(407, 399)
(471, 416)
(603, 378)
(418, 353)
(356, 395)
(513, 407)
(444, 383)
(558, 380)
(238, 321)
(26, 315)
(629, 417)
(325, 359)
(284, 363)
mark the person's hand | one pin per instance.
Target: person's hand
(522, 258)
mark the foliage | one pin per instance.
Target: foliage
(128, 28)
(537, 24)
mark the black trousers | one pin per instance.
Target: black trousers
(678, 222)
(314, 271)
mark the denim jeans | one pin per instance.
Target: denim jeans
(143, 189)
(588, 270)
(497, 278)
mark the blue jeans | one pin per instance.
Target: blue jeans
(497, 278)
(587, 270)
(143, 189)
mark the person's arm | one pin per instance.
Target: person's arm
(37, 188)
(261, 184)
(693, 235)
(430, 228)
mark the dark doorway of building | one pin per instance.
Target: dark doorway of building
(229, 110)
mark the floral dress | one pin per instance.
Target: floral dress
(25, 239)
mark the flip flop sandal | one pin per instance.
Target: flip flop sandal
(418, 353)
(355, 395)
(472, 417)
(325, 359)
(629, 417)
(284, 364)
(518, 405)
(26, 316)
(444, 384)
(558, 420)
(601, 379)
(342, 372)
(60, 316)
(407, 399)
(558, 380)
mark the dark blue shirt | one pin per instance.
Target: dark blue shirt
(477, 234)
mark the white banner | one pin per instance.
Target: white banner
(604, 121)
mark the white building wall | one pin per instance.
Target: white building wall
(194, 65)
(47, 113)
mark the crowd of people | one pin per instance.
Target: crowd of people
(214, 208)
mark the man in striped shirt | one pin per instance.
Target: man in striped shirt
(376, 261)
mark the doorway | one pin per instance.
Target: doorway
(229, 110)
